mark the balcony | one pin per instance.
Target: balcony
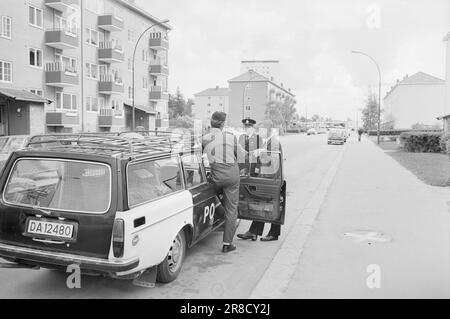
(60, 118)
(110, 84)
(157, 67)
(60, 75)
(62, 39)
(61, 5)
(158, 93)
(110, 22)
(110, 53)
(159, 43)
(109, 118)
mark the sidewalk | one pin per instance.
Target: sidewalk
(376, 213)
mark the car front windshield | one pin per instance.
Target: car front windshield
(60, 185)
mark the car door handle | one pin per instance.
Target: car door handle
(252, 188)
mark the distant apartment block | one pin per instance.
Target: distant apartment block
(250, 93)
(446, 114)
(209, 101)
(77, 55)
(268, 68)
(416, 99)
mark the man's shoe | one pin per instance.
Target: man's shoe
(248, 236)
(269, 238)
(228, 248)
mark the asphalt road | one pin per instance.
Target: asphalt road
(207, 273)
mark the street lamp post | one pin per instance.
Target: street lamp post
(133, 115)
(243, 94)
(379, 92)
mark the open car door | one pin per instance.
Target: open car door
(262, 194)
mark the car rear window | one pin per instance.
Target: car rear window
(63, 185)
(151, 180)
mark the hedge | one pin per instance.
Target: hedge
(399, 132)
(426, 142)
(445, 143)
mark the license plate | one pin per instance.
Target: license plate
(50, 229)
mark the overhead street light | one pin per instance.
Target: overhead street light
(379, 92)
(133, 125)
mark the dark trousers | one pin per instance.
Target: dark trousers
(226, 179)
(257, 228)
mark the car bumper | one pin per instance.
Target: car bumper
(40, 257)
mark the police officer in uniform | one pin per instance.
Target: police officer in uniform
(251, 142)
(223, 151)
(257, 228)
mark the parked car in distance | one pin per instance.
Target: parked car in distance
(337, 137)
(311, 131)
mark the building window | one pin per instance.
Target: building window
(92, 104)
(145, 83)
(131, 35)
(35, 17)
(118, 108)
(130, 64)
(69, 26)
(130, 93)
(6, 27)
(248, 108)
(92, 37)
(37, 92)
(5, 71)
(35, 58)
(66, 101)
(92, 71)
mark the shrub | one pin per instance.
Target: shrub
(398, 132)
(445, 142)
(425, 142)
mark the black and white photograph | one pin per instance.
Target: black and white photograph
(224, 154)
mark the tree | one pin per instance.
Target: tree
(188, 110)
(183, 121)
(370, 113)
(281, 113)
(177, 105)
(316, 118)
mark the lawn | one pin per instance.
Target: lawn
(431, 168)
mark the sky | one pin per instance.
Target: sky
(312, 39)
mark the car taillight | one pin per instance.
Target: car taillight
(118, 238)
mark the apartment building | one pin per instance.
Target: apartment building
(268, 68)
(250, 93)
(78, 54)
(209, 101)
(446, 114)
(416, 99)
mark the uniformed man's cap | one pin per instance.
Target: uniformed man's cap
(248, 122)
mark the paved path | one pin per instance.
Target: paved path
(378, 217)
(207, 273)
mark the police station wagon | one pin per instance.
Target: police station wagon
(117, 206)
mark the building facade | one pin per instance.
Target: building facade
(209, 101)
(416, 99)
(446, 114)
(78, 54)
(268, 68)
(249, 95)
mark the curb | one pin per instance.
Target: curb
(278, 274)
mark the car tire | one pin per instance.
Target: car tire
(170, 268)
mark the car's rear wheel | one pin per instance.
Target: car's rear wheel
(170, 268)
